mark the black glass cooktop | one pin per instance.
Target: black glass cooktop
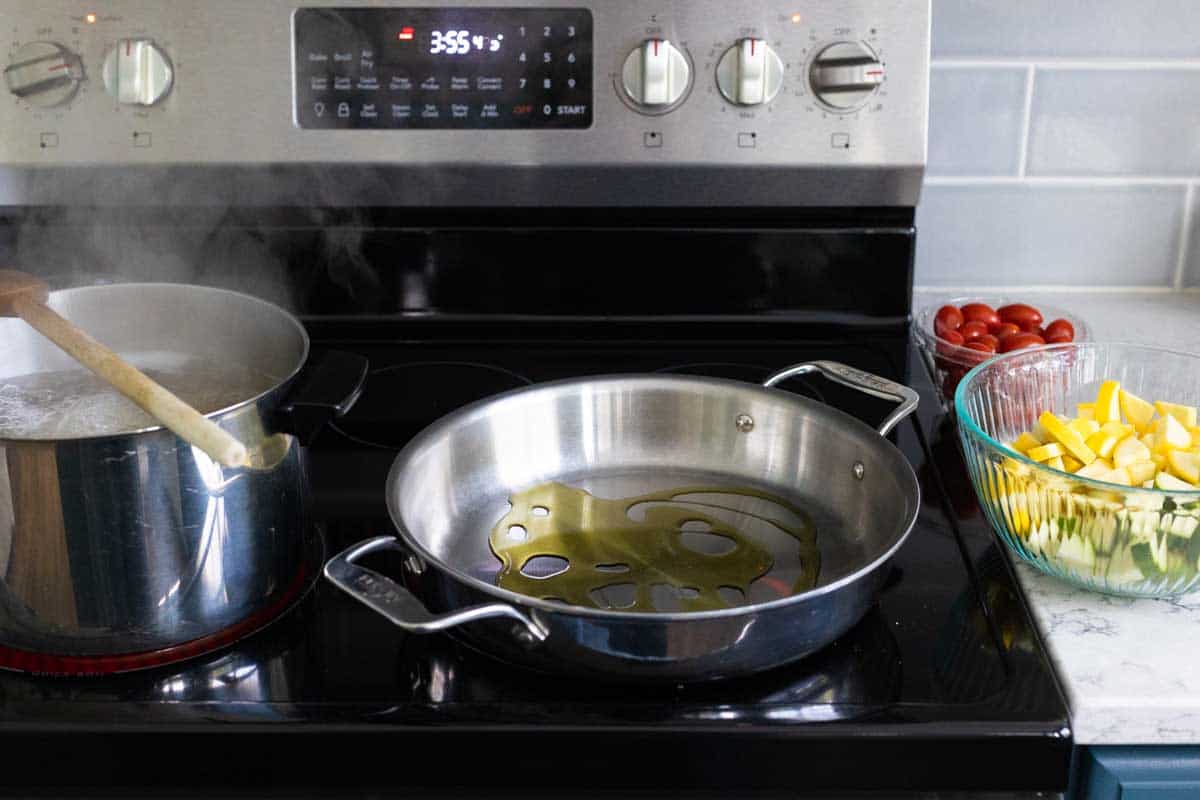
(944, 684)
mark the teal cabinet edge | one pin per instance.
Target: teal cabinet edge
(1138, 773)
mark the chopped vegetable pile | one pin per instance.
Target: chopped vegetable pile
(1120, 439)
(1108, 536)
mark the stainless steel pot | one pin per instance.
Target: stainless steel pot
(132, 543)
(628, 435)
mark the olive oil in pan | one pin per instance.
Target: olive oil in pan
(696, 548)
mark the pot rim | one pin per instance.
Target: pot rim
(291, 318)
(906, 475)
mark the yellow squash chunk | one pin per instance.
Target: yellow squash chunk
(1084, 427)
(1025, 442)
(1071, 464)
(1159, 460)
(1056, 463)
(1103, 444)
(1068, 438)
(1108, 402)
(1185, 414)
(1148, 485)
(1138, 412)
(1141, 471)
(1117, 429)
(1165, 480)
(1045, 452)
(1185, 466)
(1175, 435)
(1129, 450)
(1095, 469)
(1085, 410)
(1147, 439)
(1120, 476)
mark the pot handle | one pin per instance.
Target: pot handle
(327, 388)
(857, 379)
(386, 597)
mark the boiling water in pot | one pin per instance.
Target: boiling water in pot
(75, 403)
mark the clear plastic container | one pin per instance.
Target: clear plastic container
(949, 363)
(1102, 536)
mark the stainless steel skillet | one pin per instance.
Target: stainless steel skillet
(623, 435)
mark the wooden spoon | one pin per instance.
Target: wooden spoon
(25, 296)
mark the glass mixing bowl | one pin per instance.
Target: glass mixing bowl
(1102, 536)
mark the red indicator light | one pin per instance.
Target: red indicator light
(406, 34)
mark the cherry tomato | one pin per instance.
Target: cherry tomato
(1020, 314)
(1060, 327)
(1033, 327)
(976, 352)
(1004, 329)
(981, 312)
(1061, 338)
(973, 329)
(949, 317)
(1019, 341)
(948, 342)
(989, 340)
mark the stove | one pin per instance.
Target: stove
(479, 197)
(944, 684)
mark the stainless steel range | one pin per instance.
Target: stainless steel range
(618, 104)
(477, 197)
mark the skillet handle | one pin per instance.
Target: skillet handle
(400, 606)
(857, 379)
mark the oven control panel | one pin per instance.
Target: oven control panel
(535, 102)
(439, 68)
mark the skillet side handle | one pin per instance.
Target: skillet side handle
(857, 379)
(400, 606)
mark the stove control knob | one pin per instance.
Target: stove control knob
(844, 75)
(750, 73)
(44, 74)
(137, 73)
(656, 76)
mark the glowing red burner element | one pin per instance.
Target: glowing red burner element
(406, 34)
(63, 665)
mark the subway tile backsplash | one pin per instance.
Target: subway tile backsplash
(980, 116)
(1066, 28)
(1064, 235)
(1064, 145)
(1115, 122)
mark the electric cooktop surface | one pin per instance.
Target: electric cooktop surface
(943, 683)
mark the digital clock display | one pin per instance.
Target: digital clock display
(461, 43)
(426, 68)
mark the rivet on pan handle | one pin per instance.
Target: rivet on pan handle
(857, 379)
(388, 598)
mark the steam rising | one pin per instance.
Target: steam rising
(234, 229)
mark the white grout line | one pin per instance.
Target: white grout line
(1026, 120)
(1057, 180)
(1064, 63)
(1048, 289)
(1185, 235)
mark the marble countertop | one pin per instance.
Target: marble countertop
(1130, 668)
